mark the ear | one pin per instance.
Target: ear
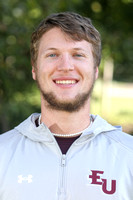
(96, 72)
(33, 73)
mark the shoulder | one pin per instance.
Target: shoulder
(19, 130)
(9, 137)
(120, 138)
(113, 134)
(8, 144)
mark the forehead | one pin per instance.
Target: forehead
(56, 38)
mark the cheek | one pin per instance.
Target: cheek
(45, 67)
(90, 76)
(88, 71)
(43, 75)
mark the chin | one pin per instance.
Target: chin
(67, 105)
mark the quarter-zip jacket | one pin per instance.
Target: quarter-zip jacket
(98, 165)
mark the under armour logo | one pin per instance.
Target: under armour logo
(28, 178)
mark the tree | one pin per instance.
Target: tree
(18, 96)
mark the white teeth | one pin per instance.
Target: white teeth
(65, 82)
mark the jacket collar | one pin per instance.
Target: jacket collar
(38, 134)
(43, 134)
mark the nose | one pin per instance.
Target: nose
(65, 63)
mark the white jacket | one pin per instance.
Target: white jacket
(98, 165)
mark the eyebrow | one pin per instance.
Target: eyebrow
(52, 48)
(78, 49)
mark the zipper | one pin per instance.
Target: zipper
(61, 192)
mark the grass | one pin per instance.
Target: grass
(115, 103)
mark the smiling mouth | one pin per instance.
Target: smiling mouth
(65, 82)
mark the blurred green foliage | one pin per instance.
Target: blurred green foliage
(18, 98)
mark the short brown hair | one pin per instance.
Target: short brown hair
(77, 27)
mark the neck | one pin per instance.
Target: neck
(62, 122)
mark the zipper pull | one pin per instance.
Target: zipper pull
(63, 160)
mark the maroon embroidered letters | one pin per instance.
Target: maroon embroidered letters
(97, 180)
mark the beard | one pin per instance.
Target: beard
(73, 105)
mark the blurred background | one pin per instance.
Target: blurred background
(113, 94)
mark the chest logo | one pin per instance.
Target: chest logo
(108, 186)
(27, 179)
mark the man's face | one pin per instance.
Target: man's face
(64, 71)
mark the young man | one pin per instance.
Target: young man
(66, 153)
